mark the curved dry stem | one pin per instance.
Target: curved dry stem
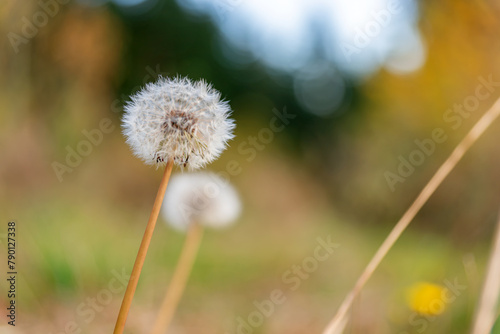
(143, 249)
(487, 308)
(443, 171)
(179, 279)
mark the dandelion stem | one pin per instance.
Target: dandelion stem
(487, 308)
(443, 171)
(179, 279)
(143, 249)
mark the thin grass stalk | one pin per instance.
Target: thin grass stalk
(443, 171)
(487, 308)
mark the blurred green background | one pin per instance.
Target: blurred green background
(363, 83)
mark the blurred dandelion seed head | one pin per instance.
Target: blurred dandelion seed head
(177, 119)
(427, 298)
(204, 198)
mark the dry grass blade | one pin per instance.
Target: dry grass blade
(179, 279)
(487, 308)
(457, 154)
(143, 249)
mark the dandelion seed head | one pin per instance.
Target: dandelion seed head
(200, 197)
(177, 119)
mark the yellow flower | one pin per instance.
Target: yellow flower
(427, 298)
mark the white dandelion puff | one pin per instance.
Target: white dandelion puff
(174, 121)
(203, 198)
(193, 201)
(179, 120)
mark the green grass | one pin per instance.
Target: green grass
(68, 248)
